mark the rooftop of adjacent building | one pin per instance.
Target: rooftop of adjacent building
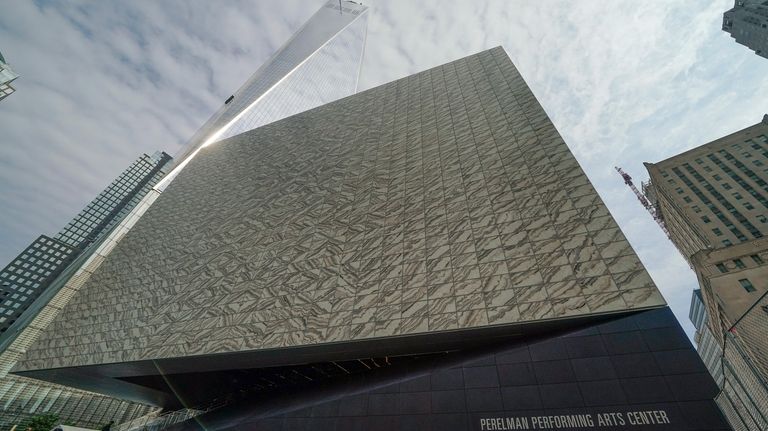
(747, 23)
(757, 7)
(738, 136)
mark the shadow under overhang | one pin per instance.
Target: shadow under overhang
(193, 381)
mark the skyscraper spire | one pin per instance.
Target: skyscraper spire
(320, 63)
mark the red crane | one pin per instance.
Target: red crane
(643, 200)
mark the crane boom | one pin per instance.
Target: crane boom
(643, 200)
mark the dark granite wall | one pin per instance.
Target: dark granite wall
(637, 369)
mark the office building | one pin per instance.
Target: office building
(425, 253)
(34, 269)
(115, 201)
(7, 75)
(714, 196)
(713, 202)
(741, 398)
(747, 22)
(36, 275)
(29, 274)
(732, 280)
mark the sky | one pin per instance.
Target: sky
(624, 82)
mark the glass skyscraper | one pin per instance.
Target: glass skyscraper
(6, 77)
(320, 63)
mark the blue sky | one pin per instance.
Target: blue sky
(102, 82)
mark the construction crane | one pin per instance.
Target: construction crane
(643, 200)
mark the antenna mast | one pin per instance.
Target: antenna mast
(644, 201)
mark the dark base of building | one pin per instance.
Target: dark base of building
(638, 372)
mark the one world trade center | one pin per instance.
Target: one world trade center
(320, 63)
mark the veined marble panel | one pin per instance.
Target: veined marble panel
(441, 201)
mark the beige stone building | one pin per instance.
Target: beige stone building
(714, 202)
(715, 195)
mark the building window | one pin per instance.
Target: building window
(727, 242)
(717, 232)
(748, 206)
(747, 285)
(721, 267)
(727, 186)
(679, 190)
(758, 163)
(738, 196)
(687, 199)
(739, 263)
(705, 219)
(717, 177)
(699, 161)
(762, 218)
(757, 259)
(696, 209)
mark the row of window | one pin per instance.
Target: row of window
(21, 298)
(21, 285)
(716, 177)
(712, 207)
(20, 271)
(21, 277)
(11, 288)
(739, 264)
(744, 169)
(36, 265)
(94, 214)
(725, 203)
(90, 218)
(49, 256)
(45, 243)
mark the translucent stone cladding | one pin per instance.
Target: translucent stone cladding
(440, 202)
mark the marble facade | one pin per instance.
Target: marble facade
(443, 201)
